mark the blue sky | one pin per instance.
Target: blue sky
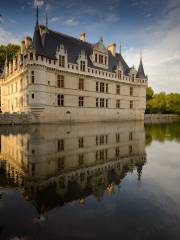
(150, 25)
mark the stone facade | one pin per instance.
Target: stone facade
(95, 85)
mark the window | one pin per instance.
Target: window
(101, 102)
(27, 99)
(96, 58)
(60, 81)
(82, 66)
(101, 87)
(105, 60)
(117, 89)
(61, 61)
(133, 77)
(32, 77)
(101, 59)
(106, 88)
(131, 104)
(21, 84)
(60, 100)
(131, 91)
(117, 151)
(117, 103)
(130, 149)
(31, 56)
(97, 102)
(81, 101)
(97, 86)
(117, 137)
(106, 103)
(81, 142)
(60, 163)
(81, 159)
(119, 74)
(130, 136)
(32, 95)
(60, 145)
(81, 84)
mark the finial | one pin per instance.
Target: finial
(6, 61)
(120, 50)
(141, 54)
(46, 17)
(101, 39)
(37, 15)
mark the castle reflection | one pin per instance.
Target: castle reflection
(54, 165)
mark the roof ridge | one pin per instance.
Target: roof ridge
(66, 35)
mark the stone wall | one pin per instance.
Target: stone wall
(16, 118)
(161, 118)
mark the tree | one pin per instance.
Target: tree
(149, 93)
(162, 103)
(12, 51)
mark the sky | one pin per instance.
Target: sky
(150, 26)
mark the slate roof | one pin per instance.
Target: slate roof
(140, 73)
(51, 40)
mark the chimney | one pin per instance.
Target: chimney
(28, 42)
(83, 36)
(22, 46)
(112, 48)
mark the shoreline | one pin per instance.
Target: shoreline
(28, 119)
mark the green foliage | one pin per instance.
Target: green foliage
(12, 51)
(149, 93)
(162, 102)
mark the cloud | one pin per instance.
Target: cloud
(71, 22)
(55, 19)
(7, 37)
(134, 4)
(148, 15)
(112, 18)
(161, 58)
(38, 3)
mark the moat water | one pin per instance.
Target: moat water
(90, 181)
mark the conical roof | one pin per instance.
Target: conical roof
(140, 73)
(37, 41)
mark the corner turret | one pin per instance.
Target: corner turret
(140, 73)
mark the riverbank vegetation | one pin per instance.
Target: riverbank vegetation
(162, 103)
(11, 50)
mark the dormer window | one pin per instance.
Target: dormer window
(31, 56)
(61, 61)
(82, 66)
(105, 60)
(119, 74)
(101, 59)
(133, 77)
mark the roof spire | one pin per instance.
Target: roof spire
(46, 17)
(141, 73)
(6, 61)
(37, 15)
(120, 50)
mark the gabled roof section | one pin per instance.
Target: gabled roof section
(52, 40)
(140, 73)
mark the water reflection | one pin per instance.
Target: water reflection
(91, 178)
(58, 164)
(160, 133)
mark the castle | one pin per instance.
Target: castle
(59, 78)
